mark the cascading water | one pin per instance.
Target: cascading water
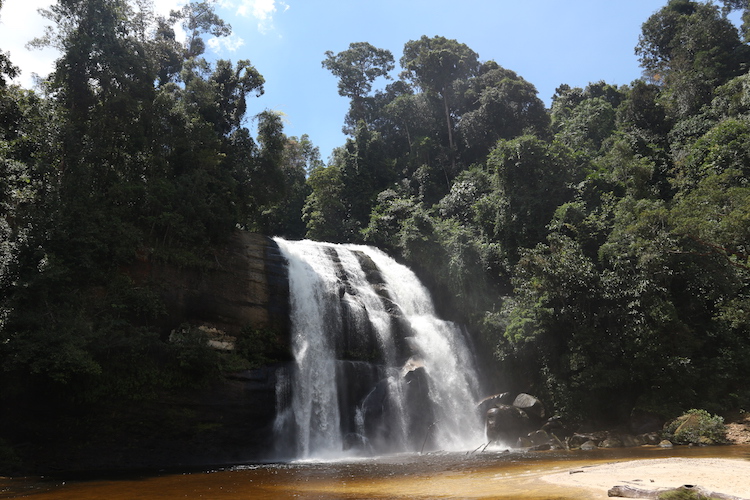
(375, 370)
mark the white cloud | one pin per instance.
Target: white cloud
(230, 43)
(263, 11)
(164, 6)
(20, 22)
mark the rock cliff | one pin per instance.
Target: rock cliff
(241, 291)
(244, 287)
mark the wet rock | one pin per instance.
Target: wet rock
(611, 442)
(665, 444)
(531, 405)
(599, 436)
(504, 398)
(523, 442)
(577, 440)
(589, 445)
(554, 425)
(541, 447)
(539, 437)
(506, 423)
(651, 438)
(630, 441)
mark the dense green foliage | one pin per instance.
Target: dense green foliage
(697, 427)
(134, 147)
(598, 247)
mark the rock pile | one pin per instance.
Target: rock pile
(521, 421)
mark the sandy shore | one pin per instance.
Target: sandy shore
(721, 475)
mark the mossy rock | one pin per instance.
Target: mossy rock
(682, 495)
(697, 427)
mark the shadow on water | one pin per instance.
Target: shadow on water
(493, 474)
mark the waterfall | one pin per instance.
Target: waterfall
(375, 370)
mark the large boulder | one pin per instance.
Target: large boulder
(531, 406)
(506, 423)
(504, 398)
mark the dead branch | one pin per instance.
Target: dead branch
(624, 491)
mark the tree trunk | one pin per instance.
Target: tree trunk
(451, 145)
(448, 120)
(623, 491)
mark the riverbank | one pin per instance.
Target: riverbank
(721, 475)
(730, 476)
(493, 474)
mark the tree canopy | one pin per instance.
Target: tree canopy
(597, 246)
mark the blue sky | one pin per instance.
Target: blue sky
(548, 42)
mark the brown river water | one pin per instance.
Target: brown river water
(490, 474)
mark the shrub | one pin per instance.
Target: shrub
(696, 427)
(682, 495)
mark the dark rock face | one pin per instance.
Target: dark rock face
(506, 423)
(244, 290)
(246, 285)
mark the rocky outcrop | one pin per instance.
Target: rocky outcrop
(235, 298)
(508, 422)
(243, 284)
(521, 424)
(240, 290)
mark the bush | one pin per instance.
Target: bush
(682, 495)
(697, 427)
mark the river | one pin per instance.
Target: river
(490, 474)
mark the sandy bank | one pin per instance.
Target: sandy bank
(728, 476)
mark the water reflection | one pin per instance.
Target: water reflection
(492, 474)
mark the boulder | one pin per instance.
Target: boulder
(531, 405)
(541, 447)
(629, 441)
(504, 398)
(651, 438)
(589, 445)
(577, 440)
(611, 442)
(539, 437)
(523, 442)
(506, 423)
(689, 423)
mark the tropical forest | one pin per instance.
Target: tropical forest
(596, 250)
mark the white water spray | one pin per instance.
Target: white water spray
(375, 370)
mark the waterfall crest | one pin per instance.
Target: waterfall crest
(375, 370)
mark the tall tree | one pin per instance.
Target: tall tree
(744, 5)
(197, 20)
(357, 68)
(532, 179)
(690, 48)
(434, 64)
(498, 104)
